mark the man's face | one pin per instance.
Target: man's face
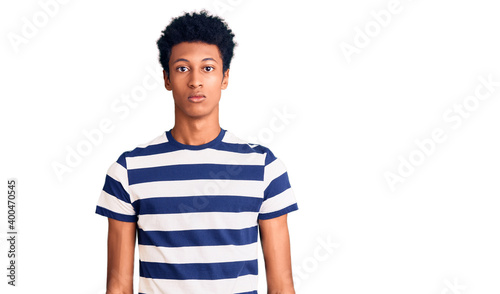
(196, 79)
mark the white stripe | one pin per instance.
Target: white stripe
(232, 139)
(198, 254)
(119, 173)
(273, 170)
(166, 286)
(278, 202)
(197, 221)
(114, 204)
(210, 156)
(196, 188)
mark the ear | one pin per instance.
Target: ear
(225, 80)
(168, 85)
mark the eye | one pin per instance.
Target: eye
(182, 69)
(208, 68)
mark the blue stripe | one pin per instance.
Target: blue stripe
(152, 149)
(281, 212)
(197, 237)
(237, 148)
(188, 204)
(277, 186)
(122, 159)
(198, 271)
(222, 146)
(269, 156)
(114, 215)
(115, 188)
(251, 292)
(196, 172)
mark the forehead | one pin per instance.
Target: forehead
(195, 51)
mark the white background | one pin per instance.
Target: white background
(339, 126)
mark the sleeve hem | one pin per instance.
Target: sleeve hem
(281, 212)
(115, 215)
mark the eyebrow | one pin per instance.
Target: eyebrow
(204, 59)
(208, 58)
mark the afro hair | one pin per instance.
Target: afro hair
(196, 27)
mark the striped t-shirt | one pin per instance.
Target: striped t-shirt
(197, 210)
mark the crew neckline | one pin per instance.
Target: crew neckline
(195, 147)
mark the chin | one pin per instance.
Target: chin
(199, 112)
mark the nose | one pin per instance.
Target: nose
(195, 80)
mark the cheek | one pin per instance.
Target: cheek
(176, 84)
(215, 82)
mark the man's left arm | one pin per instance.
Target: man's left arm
(276, 248)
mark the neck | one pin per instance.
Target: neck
(195, 131)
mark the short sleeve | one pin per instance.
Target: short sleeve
(114, 201)
(279, 198)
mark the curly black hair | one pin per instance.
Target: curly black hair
(196, 27)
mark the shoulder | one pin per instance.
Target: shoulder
(248, 147)
(149, 148)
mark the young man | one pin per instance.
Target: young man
(197, 196)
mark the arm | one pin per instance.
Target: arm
(121, 246)
(276, 249)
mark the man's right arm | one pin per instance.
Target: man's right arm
(121, 247)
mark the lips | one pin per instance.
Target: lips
(196, 98)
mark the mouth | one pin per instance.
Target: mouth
(196, 98)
